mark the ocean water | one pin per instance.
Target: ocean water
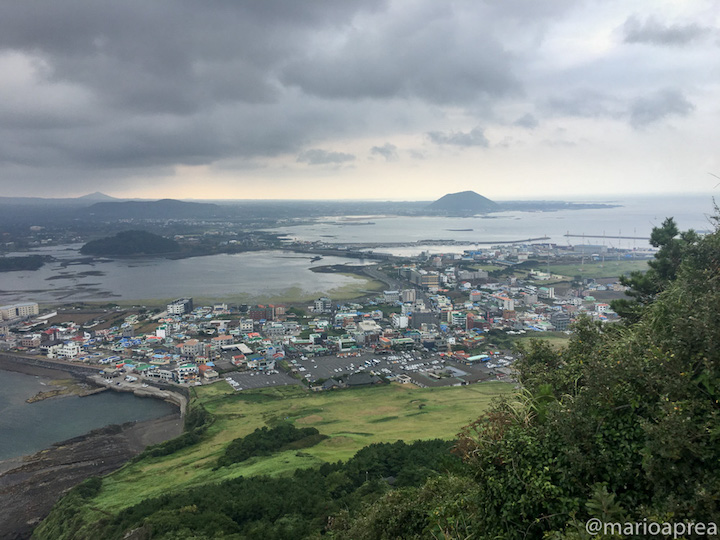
(271, 273)
(26, 428)
(636, 216)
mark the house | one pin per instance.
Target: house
(332, 384)
(208, 372)
(70, 349)
(362, 379)
(186, 373)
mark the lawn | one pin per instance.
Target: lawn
(351, 419)
(595, 270)
(555, 339)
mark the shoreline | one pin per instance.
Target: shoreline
(53, 370)
(30, 485)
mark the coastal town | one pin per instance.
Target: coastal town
(443, 320)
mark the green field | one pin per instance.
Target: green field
(596, 270)
(555, 339)
(351, 419)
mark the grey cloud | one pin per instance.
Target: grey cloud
(155, 84)
(429, 53)
(658, 106)
(387, 150)
(640, 111)
(527, 121)
(474, 137)
(655, 32)
(317, 156)
(586, 103)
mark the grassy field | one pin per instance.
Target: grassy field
(595, 270)
(555, 339)
(351, 419)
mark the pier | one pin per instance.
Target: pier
(610, 236)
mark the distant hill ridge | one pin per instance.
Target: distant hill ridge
(129, 243)
(162, 209)
(464, 202)
(97, 196)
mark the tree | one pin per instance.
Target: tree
(645, 286)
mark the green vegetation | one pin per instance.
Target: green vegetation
(12, 264)
(348, 419)
(621, 425)
(264, 441)
(596, 269)
(645, 286)
(554, 339)
(197, 420)
(129, 243)
(298, 506)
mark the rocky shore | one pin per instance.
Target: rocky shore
(31, 485)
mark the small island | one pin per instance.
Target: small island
(13, 264)
(131, 243)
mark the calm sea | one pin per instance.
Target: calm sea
(635, 217)
(265, 274)
(29, 427)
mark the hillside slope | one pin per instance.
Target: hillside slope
(462, 203)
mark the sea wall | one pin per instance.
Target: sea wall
(37, 365)
(32, 364)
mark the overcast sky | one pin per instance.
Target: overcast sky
(370, 99)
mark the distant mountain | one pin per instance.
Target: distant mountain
(129, 243)
(97, 196)
(465, 202)
(162, 209)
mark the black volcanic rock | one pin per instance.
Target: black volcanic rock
(464, 202)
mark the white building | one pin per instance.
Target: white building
(390, 297)
(409, 295)
(180, 306)
(322, 305)
(246, 325)
(13, 311)
(399, 321)
(64, 351)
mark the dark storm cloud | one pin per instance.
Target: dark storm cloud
(658, 106)
(387, 150)
(474, 137)
(152, 84)
(430, 53)
(317, 156)
(655, 32)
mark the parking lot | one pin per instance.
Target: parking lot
(413, 364)
(256, 379)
